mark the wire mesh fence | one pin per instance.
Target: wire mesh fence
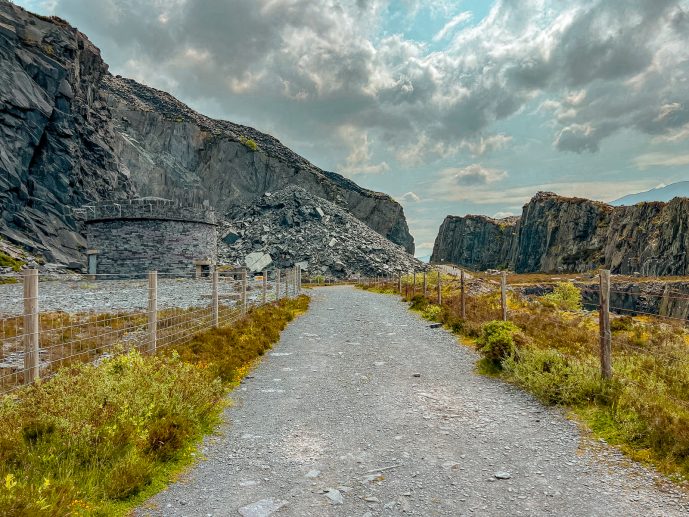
(48, 322)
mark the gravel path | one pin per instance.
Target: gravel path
(364, 410)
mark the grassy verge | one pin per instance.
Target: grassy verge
(98, 440)
(550, 348)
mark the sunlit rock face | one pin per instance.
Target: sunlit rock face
(72, 133)
(557, 234)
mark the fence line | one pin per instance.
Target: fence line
(48, 322)
(405, 286)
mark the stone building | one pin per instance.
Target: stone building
(135, 236)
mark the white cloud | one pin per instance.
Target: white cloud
(359, 158)
(646, 161)
(472, 175)
(409, 197)
(452, 24)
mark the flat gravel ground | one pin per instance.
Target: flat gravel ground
(364, 410)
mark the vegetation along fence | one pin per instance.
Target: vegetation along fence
(643, 317)
(51, 321)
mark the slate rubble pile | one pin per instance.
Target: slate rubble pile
(291, 226)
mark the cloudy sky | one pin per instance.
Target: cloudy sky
(450, 106)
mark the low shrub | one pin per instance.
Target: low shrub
(249, 143)
(419, 303)
(432, 312)
(96, 440)
(566, 296)
(498, 341)
(556, 378)
(8, 261)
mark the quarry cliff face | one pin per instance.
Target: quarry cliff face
(474, 241)
(72, 133)
(56, 138)
(557, 234)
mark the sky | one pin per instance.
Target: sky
(450, 106)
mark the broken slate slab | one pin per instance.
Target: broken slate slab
(334, 495)
(502, 475)
(262, 508)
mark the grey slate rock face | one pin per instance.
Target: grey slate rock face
(55, 133)
(334, 243)
(71, 134)
(197, 158)
(475, 241)
(557, 234)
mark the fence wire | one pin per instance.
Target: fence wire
(59, 321)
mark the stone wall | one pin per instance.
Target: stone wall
(135, 246)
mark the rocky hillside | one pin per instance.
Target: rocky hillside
(291, 226)
(559, 234)
(475, 241)
(72, 133)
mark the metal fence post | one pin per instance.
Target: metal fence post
(503, 294)
(31, 326)
(425, 285)
(216, 312)
(413, 292)
(604, 319)
(440, 289)
(286, 282)
(399, 284)
(244, 291)
(152, 311)
(265, 286)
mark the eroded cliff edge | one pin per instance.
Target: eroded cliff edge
(72, 133)
(557, 234)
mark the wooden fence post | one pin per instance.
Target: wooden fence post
(462, 299)
(286, 282)
(277, 284)
(31, 326)
(244, 274)
(265, 287)
(399, 284)
(152, 311)
(604, 319)
(413, 291)
(440, 289)
(503, 294)
(216, 312)
(425, 285)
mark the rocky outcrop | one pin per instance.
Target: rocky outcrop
(291, 226)
(558, 234)
(474, 241)
(71, 133)
(56, 139)
(176, 153)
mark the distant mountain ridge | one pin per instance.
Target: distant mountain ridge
(665, 194)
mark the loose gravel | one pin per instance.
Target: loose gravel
(363, 409)
(78, 294)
